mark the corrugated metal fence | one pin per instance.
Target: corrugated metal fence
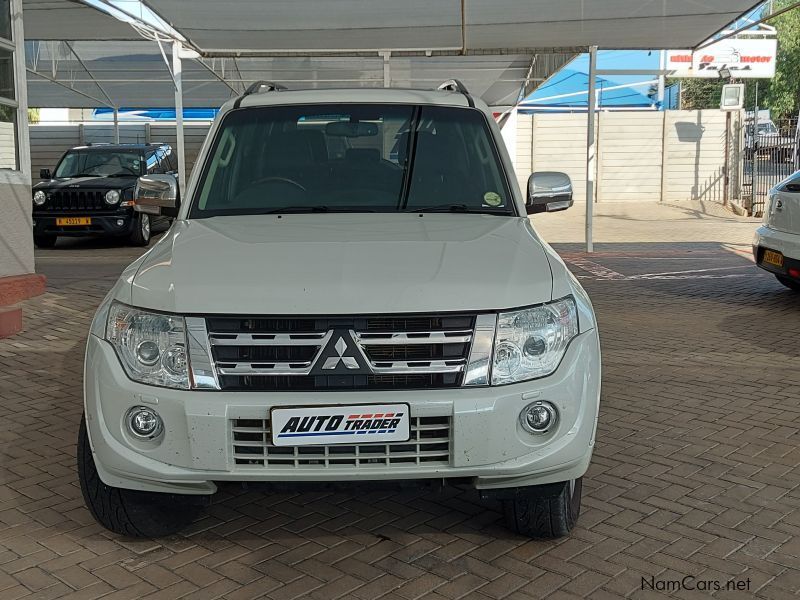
(49, 142)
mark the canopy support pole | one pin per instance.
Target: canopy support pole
(177, 76)
(387, 69)
(591, 105)
(116, 125)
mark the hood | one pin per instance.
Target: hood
(340, 263)
(95, 183)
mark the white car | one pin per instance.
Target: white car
(382, 312)
(776, 246)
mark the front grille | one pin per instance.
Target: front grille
(287, 354)
(429, 446)
(76, 200)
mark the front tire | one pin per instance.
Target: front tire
(131, 512)
(544, 511)
(141, 230)
(792, 284)
(45, 241)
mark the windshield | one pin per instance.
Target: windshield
(352, 157)
(100, 163)
(767, 128)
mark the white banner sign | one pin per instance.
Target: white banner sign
(744, 58)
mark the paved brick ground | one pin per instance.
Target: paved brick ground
(695, 473)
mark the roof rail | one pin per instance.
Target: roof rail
(454, 85)
(268, 86)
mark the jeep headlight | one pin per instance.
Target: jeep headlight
(39, 197)
(151, 346)
(112, 197)
(531, 342)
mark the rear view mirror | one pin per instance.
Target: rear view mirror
(157, 194)
(44, 174)
(548, 191)
(351, 130)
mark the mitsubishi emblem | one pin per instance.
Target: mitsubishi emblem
(333, 361)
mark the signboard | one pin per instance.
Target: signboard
(745, 59)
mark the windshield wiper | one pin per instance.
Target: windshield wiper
(311, 209)
(291, 209)
(461, 208)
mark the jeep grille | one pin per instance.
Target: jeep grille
(77, 199)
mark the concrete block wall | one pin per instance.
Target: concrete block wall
(641, 156)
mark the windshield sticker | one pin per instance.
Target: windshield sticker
(492, 199)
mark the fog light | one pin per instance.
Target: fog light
(538, 417)
(120, 222)
(144, 422)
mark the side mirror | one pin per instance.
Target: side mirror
(44, 174)
(157, 194)
(548, 191)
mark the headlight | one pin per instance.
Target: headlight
(530, 343)
(39, 198)
(150, 346)
(112, 196)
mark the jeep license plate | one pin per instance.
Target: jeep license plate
(325, 425)
(771, 257)
(67, 221)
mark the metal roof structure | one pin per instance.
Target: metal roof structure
(71, 20)
(88, 74)
(80, 57)
(464, 26)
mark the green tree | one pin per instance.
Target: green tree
(782, 94)
(697, 94)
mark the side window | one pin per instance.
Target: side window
(152, 162)
(163, 163)
(170, 163)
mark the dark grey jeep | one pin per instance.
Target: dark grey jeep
(91, 192)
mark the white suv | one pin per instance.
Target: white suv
(776, 246)
(352, 291)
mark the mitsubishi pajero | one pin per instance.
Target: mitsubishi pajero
(352, 291)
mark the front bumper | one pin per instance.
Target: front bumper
(102, 224)
(787, 244)
(487, 443)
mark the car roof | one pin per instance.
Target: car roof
(120, 147)
(356, 96)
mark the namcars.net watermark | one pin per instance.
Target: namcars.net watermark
(692, 583)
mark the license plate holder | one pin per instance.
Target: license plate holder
(772, 257)
(73, 221)
(338, 425)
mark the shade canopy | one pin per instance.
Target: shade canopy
(72, 20)
(78, 56)
(83, 74)
(247, 26)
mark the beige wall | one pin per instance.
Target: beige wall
(694, 155)
(641, 156)
(16, 242)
